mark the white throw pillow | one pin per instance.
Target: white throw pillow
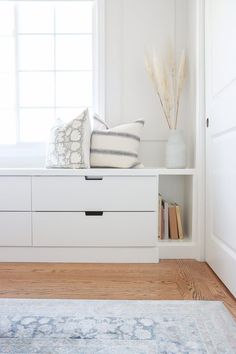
(69, 145)
(116, 147)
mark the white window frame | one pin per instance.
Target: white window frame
(33, 154)
(99, 54)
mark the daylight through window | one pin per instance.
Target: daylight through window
(46, 66)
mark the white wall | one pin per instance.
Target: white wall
(132, 26)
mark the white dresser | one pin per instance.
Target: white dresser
(78, 215)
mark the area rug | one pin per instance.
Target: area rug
(120, 327)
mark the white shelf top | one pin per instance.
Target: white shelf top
(177, 171)
(179, 243)
(94, 172)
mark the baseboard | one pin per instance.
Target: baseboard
(80, 255)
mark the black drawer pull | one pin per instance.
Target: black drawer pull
(93, 178)
(94, 213)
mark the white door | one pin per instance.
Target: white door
(221, 139)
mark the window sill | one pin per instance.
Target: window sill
(23, 155)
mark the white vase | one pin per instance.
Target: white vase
(176, 150)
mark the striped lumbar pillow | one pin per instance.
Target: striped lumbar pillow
(98, 123)
(115, 147)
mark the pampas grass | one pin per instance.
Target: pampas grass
(168, 78)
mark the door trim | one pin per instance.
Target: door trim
(200, 154)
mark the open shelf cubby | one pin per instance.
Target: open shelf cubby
(179, 188)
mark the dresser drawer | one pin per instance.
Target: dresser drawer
(105, 193)
(15, 229)
(15, 193)
(106, 230)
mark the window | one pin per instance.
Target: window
(46, 66)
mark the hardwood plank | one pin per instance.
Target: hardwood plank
(168, 280)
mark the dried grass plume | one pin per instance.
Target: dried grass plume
(168, 78)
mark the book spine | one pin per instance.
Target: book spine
(179, 222)
(160, 217)
(166, 220)
(162, 220)
(173, 223)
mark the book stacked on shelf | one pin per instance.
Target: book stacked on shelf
(170, 224)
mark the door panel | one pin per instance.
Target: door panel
(224, 189)
(221, 139)
(223, 43)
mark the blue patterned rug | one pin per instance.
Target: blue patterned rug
(115, 327)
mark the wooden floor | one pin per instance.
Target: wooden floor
(168, 280)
